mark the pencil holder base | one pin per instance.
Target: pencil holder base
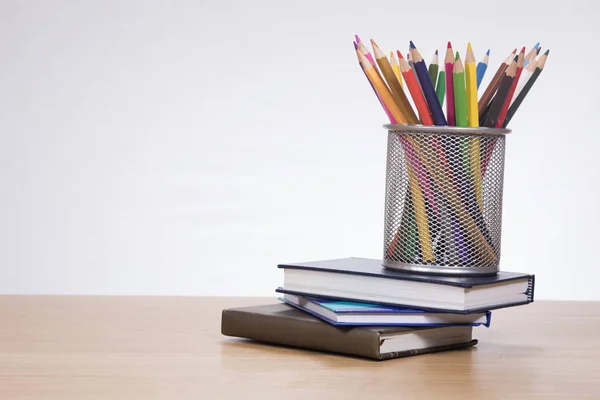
(440, 270)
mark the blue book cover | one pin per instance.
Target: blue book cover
(339, 312)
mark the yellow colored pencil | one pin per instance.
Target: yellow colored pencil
(382, 90)
(473, 121)
(396, 68)
(420, 216)
(471, 80)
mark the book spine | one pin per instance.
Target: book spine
(531, 288)
(409, 353)
(318, 335)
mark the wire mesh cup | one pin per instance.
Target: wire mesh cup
(443, 199)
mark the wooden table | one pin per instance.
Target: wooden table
(76, 347)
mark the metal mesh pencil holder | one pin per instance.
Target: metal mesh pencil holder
(443, 199)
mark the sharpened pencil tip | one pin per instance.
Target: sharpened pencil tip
(399, 54)
(537, 45)
(523, 50)
(373, 43)
(457, 56)
(357, 38)
(487, 53)
(515, 51)
(355, 46)
(412, 45)
(538, 51)
(436, 52)
(449, 45)
(547, 52)
(469, 46)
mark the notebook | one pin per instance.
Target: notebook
(364, 314)
(282, 324)
(366, 280)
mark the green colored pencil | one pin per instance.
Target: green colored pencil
(433, 68)
(440, 89)
(521, 96)
(460, 92)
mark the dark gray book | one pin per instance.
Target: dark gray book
(282, 324)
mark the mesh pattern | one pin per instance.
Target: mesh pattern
(443, 204)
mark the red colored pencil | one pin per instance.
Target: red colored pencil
(415, 90)
(449, 61)
(509, 96)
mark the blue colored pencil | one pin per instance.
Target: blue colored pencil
(482, 67)
(532, 53)
(437, 114)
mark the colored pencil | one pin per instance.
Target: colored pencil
(364, 51)
(421, 217)
(509, 96)
(407, 218)
(500, 97)
(482, 67)
(396, 68)
(460, 92)
(413, 86)
(471, 87)
(437, 114)
(524, 78)
(440, 89)
(381, 89)
(521, 96)
(385, 108)
(433, 69)
(531, 55)
(392, 81)
(449, 63)
(493, 85)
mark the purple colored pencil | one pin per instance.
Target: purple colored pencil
(460, 243)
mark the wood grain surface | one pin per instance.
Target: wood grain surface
(86, 347)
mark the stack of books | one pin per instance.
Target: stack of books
(355, 306)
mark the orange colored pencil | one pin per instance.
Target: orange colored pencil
(415, 90)
(381, 88)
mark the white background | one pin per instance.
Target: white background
(187, 147)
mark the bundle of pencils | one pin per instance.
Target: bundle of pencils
(457, 84)
(444, 207)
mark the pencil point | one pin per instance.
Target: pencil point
(537, 45)
(515, 51)
(469, 46)
(487, 53)
(373, 43)
(449, 45)
(457, 56)
(436, 52)
(399, 54)
(547, 52)
(538, 51)
(523, 50)
(357, 39)
(412, 45)
(355, 46)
